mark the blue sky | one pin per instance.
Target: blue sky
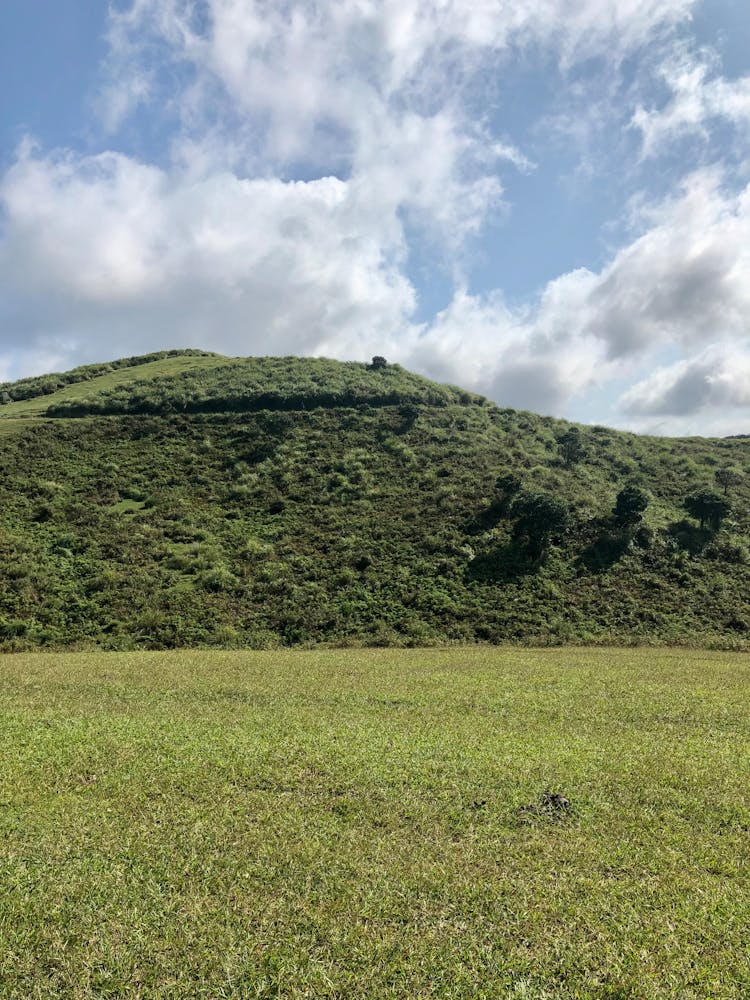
(545, 201)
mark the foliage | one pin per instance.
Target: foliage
(539, 518)
(44, 385)
(359, 507)
(570, 446)
(708, 507)
(727, 477)
(630, 505)
(508, 484)
(268, 384)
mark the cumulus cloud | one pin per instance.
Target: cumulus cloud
(102, 252)
(308, 143)
(529, 358)
(685, 278)
(681, 284)
(715, 379)
(699, 99)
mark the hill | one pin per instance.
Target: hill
(185, 499)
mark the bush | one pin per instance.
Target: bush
(629, 507)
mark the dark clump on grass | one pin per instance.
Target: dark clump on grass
(551, 805)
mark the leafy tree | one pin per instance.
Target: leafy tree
(630, 505)
(570, 447)
(707, 507)
(508, 484)
(378, 362)
(728, 477)
(539, 518)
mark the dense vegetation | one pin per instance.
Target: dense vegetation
(456, 824)
(44, 385)
(267, 384)
(198, 500)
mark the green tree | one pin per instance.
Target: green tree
(728, 477)
(540, 518)
(630, 505)
(570, 447)
(707, 507)
(508, 484)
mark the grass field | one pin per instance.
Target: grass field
(352, 824)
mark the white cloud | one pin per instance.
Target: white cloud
(105, 253)
(533, 359)
(305, 61)
(698, 100)
(685, 279)
(707, 393)
(317, 86)
(372, 105)
(717, 378)
(682, 284)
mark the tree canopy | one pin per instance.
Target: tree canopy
(539, 518)
(727, 477)
(630, 504)
(570, 446)
(707, 507)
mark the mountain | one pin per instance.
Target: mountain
(185, 499)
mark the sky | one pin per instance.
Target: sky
(544, 201)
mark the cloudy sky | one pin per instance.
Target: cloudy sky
(547, 201)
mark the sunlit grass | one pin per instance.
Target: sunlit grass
(90, 388)
(350, 824)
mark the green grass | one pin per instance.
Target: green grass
(346, 824)
(91, 388)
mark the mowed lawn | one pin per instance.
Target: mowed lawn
(351, 824)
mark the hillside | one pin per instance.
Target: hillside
(186, 499)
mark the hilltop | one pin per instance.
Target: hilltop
(184, 498)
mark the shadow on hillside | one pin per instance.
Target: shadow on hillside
(689, 536)
(603, 552)
(487, 518)
(505, 563)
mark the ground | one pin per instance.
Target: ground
(373, 823)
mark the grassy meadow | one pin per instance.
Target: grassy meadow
(371, 824)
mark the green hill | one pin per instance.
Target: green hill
(185, 499)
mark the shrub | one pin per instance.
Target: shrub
(630, 505)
